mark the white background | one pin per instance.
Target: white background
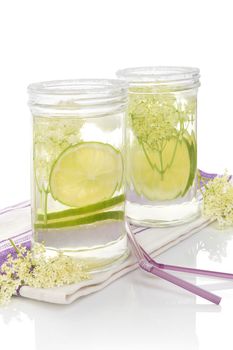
(59, 39)
(56, 39)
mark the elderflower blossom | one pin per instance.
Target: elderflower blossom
(218, 200)
(34, 269)
(156, 117)
(50, 139)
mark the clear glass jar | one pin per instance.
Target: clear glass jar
(161, 145)
(78, 172)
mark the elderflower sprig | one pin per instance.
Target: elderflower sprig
(218, 200)
(157, 116)
(153, 117)
(33, 268)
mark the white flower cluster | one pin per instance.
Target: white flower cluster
(32, 268)
(218, 200)
(51, 137)
(156, 117)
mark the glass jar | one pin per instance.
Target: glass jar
(78, 172)
(161, 145)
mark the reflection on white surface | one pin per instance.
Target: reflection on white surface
(138, 310)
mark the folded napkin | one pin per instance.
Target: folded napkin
(15, 223)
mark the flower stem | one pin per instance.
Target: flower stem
(14, 246)
(147, 157)
(173, 155)
(161, 164)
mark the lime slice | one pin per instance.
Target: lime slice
(86, 173)
(85, 220)
(149, 182)
(89, 209)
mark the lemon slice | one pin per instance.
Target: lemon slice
(148, 181)
(86, 173)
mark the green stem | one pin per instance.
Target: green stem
(163, 146)
(147, 157)
(182, 129)
(153, 166)
(173, 155)
(14, 246)
(161, 164)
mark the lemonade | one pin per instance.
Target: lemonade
(78, 173)
(161, 148)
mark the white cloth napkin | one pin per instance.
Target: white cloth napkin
(16, 223)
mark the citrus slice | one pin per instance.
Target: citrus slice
(89, 209)
(192, 147)
(149, 181)
(86, 173)
(84, 220)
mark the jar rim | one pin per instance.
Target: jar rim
(79, 87)
(159, 74)
(83, 97)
